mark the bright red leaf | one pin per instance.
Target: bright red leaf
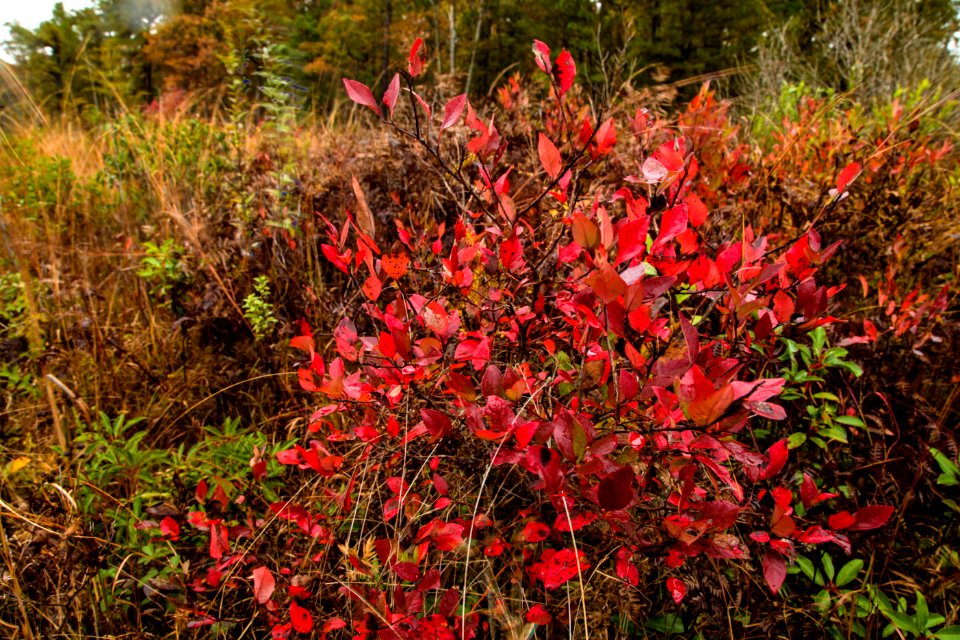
(361, 94)
(300, 618)
(677, 589)
(565, 71)
(538, 614)
(414, 61)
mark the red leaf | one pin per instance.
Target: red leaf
(453, 110)
(263, 584)
(390, 96)
(585, 232)
(872, 517)
(541, 53)
(848, 175)
(549, 157)
(632, 239)
(406, 571)
(511, 254)
(810, 495)
(774, 569)
(606, 137)
(169, 528)
(565, 71)
(778, 457)
(842, 520)
(558, 567)
(414, 62)
(300, 618)
(395, 265)
(607, 284)
(677, 589)
(696, 210)
(219, 542)
(767, 410)
(372, 287)
(538, 615)
(673, 223)
(361, 94)
(437, 423)
(535, 532)
(707, 410)
(422, 103)
(615, 491)
(626, 570)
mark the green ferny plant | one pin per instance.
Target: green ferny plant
(258, 310)
(162, 267)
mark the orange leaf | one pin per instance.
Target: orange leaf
(395, 265)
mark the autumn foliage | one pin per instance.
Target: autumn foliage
(565, 390)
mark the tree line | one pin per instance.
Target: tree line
(132, 51)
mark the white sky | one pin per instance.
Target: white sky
(30, 13)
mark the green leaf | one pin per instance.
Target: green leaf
(935, 620)
(819, 338)
(850, 421)
(923, 611)
(825, 395)
(948, 633)
(902, 621)
(806, 566)
(848, 572)
(669, 623)
(833, 433)
(853, 368)
(795, 440)
(828, 566)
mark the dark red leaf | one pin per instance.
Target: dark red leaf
(437, 423)
(774, 569)
(615, 491)
(872, 517)
(406, 571)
